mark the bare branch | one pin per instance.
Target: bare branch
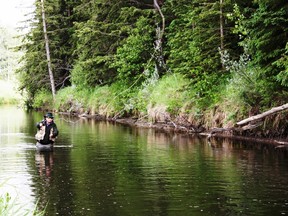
(262, 115)
(156, 5)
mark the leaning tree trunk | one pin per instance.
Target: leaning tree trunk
(262, 115)
(48, 51)
(251, 122)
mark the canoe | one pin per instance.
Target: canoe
(41, 147)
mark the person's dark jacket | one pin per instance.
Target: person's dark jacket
(51, 132)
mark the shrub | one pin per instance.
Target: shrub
(43, 99)
(72, 99)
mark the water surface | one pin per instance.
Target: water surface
(100, 168)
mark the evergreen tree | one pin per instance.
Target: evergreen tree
(194, 40)
(108, 23)
(59, 20)
(266, 40)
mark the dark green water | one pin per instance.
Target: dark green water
(100, 168)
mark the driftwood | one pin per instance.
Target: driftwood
(262, 115)
(251, 122)
(239, 129)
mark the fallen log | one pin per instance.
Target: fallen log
(232, 129)
(249, 123)
(262, 115)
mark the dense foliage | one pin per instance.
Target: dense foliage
(218, 47)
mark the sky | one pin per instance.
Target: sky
(13, 11)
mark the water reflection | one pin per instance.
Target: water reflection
(14, 178)
(44, 163)
(102, 168)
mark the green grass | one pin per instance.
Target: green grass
(10, 206)
(167, 96)
(119, 99)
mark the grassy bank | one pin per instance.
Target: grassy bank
(168, 100)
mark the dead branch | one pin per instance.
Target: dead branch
(156, 5)
(262, 115)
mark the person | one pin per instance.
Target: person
(47, 132)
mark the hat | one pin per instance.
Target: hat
(49, 115)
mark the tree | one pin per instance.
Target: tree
(195, 34)
(47, 49)
(266, 40)
(59, 19)
(8, 58)
(107, 26)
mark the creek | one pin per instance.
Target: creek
(104, 168)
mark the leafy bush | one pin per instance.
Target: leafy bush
(132, 58)
(72, 99)
(43, 99)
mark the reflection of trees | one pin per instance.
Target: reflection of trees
(159, 173)
(118, 170)
(247, 170)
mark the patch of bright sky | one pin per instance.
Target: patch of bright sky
(12, 12)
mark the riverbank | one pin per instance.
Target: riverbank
(172, 127)
(169, 105)
(178, 127)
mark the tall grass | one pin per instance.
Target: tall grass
(119, 99)
(10, 206)
(171, 92)
(169, 96)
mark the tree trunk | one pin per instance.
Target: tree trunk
(156, 5)
(262, 115)
(221, 26)
(221, 32)
(158, 54)
(254, 121)
(48, 51)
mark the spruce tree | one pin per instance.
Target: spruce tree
(34, 75)
(266, 40)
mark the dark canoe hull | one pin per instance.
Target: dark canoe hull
(41, 147)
